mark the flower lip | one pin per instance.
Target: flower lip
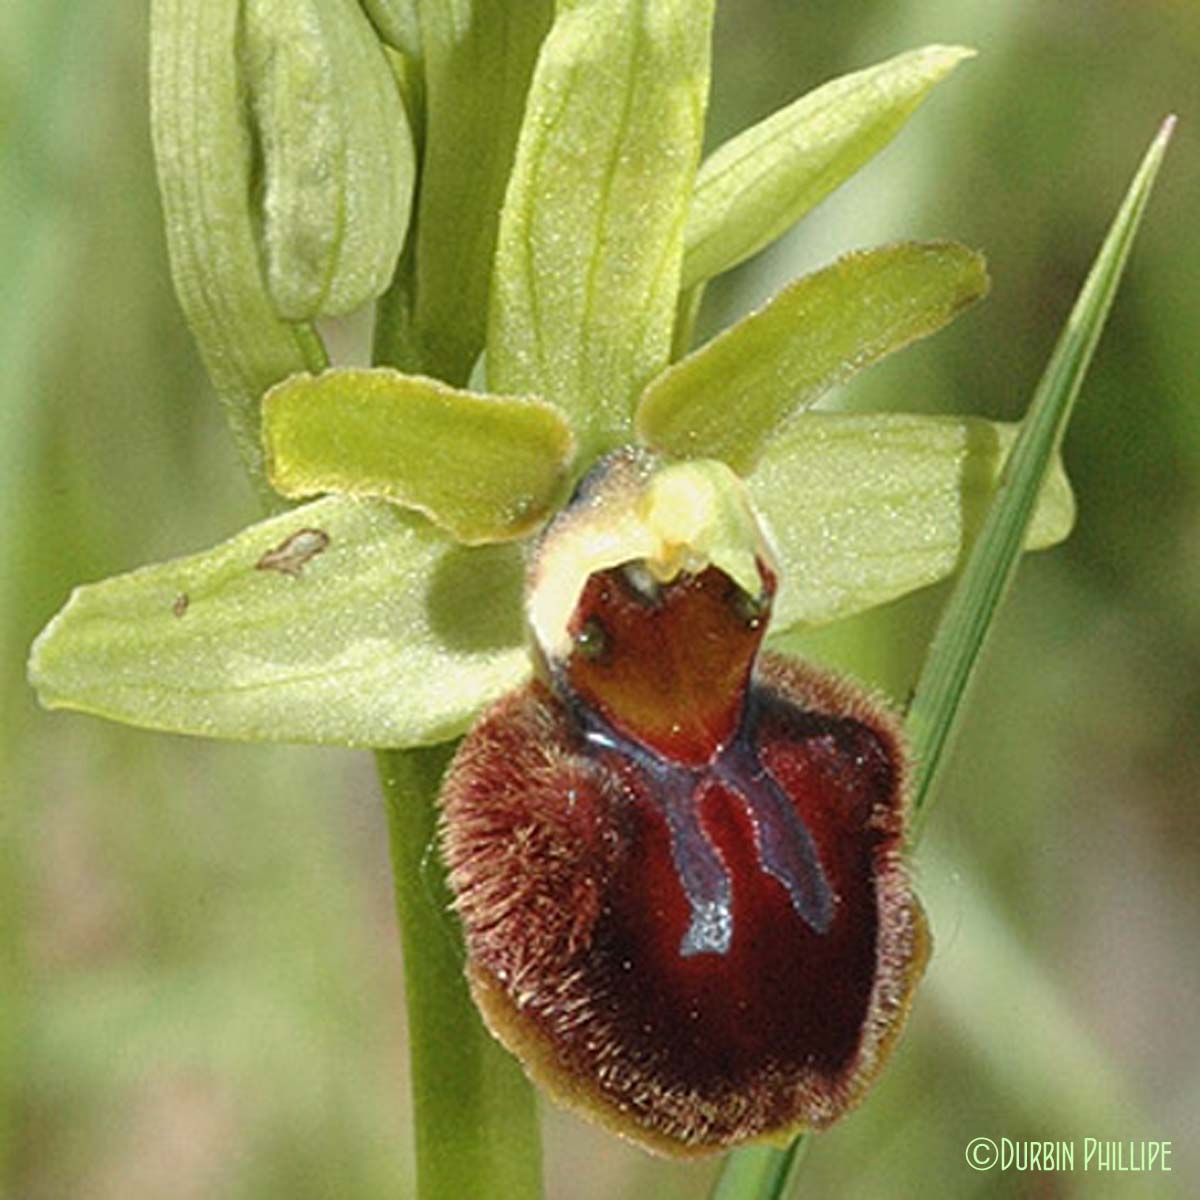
(685, 1007)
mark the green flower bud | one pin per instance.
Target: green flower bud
(397, 23)
(336, 151)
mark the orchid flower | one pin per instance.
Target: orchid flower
(543, 521)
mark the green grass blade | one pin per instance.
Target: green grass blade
(475, 1114)
(755, 1173)
(989, 570)
(761, 1172)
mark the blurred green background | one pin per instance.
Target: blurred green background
(200, 993)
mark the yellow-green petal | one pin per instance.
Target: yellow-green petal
(728, 399)
(751, 189)
(862, 508)
(485, 468)
(382, 632)
(591, 234)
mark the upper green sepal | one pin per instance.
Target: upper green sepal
(751, 189)
(485, 468)
(729, 398)
(591, 232)
(344, 621)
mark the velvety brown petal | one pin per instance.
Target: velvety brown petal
(697, 956)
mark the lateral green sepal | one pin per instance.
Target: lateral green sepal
(345, 621)
(862, 508)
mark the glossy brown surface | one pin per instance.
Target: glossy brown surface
(666, 664)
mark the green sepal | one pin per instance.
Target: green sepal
(345, 621)
(759, 183)
(477, 58)
(484, 468)
(861, 509)
(337, 165)
(204, 156)
(728, 399)
(591, 234)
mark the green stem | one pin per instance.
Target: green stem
(475, 1114)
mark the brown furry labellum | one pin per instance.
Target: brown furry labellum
(678, 869)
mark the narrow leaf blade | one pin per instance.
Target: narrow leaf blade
(761, 1172)
(484, 468)
(587, 263)
(728, 399)
(863, 508)
(343, 622)
(976, 599)
(758, 184)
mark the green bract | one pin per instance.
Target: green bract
(336, 154)
(203, 150)
(751, 189)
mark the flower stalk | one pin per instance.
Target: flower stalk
(474, 1114)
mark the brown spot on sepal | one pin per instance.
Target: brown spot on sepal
(292, 555)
